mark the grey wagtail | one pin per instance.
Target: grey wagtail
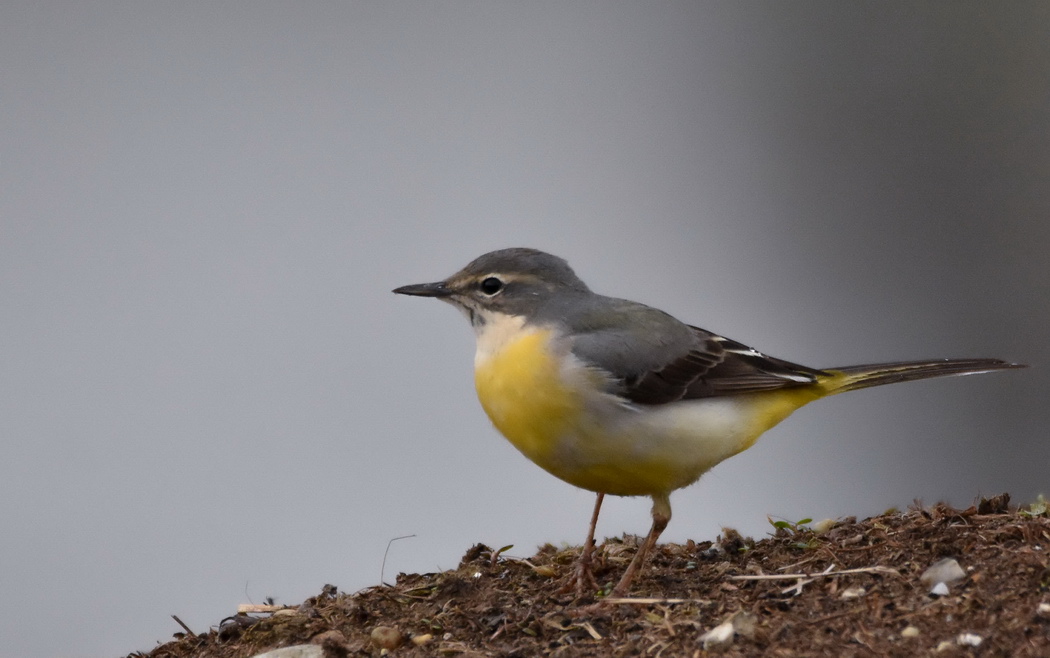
(620, 398)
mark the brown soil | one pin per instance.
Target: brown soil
(494, 605)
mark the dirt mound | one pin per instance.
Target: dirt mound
(854, 588)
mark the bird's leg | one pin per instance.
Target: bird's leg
(582, 580)
(661, 516)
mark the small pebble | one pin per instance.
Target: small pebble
(744, 624)
(945, 571)
(969, 640)
(719, 636)
(940, 589)
(387, 638)
(820, 527)
(852, 593)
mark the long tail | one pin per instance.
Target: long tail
(852, 378)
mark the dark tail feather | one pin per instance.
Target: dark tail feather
(852, 378)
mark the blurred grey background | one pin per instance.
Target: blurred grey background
(209, 395)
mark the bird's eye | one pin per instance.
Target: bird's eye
(491, 285)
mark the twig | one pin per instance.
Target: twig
(796, 589)
(826, 618)
(642, 601)
(586, 625)
(184, 626)
(246, 608)
(382, 567)
(796, 576)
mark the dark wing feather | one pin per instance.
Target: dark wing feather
(746, 369)
(672, 380)
(715, 366)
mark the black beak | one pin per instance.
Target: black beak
(438, 289)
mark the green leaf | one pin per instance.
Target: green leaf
(1038, 508)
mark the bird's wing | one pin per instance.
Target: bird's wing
(659, 359)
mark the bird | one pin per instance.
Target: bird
(620, 398)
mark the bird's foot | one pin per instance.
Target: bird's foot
(581, 581)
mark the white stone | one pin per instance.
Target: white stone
(945, 571)
(822, 526)
(718, 636)
(852, 593)
(969, 640)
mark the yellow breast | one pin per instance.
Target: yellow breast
(519, 382)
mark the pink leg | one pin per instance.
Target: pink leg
(582, 581)
(661, 516)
